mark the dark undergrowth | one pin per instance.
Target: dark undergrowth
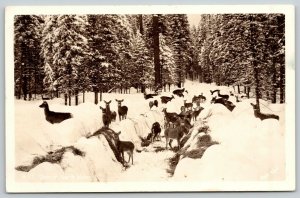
(53, 157)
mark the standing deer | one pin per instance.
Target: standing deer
(122, 110)
(176, 133)
(54, 117)
(187, 105)
(111, 114)
(105, 118)
(124, 146)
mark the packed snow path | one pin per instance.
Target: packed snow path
(149, 165)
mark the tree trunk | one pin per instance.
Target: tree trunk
(239, 91)
(76, 97)
(70, 98)
(96, 97)
(248, 92)
(100, 96)
(253, 41)
(141, 24)
(169, 87)
(83, 97)
(66, 98)
(157, 68)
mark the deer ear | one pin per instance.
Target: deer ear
(122, 100)
(109, 102)
(119, 133)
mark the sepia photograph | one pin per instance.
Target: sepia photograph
(150, 98)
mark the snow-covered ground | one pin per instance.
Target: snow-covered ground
(248, 149)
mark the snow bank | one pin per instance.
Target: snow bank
(249, 149)
(34, 135)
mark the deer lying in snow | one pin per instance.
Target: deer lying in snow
(166, 99)
(179, 92)
(122, 110)
(263, 116)
(226, 97)
(54, 117)
(147, 96)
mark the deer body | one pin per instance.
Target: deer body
(196, 112)
(226, 97)
(166, 99)
(122, 110)
(105, 118)
(124, 146)
(54, 117)
(179, 92)
(187, 105)
(176, 133)
(169, 117)
(155, 131)
(263, 116)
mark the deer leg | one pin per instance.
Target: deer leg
(178, 142)
(170, 143)
(167, 140)
(132, 157)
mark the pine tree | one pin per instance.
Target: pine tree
(28, 70)
(69, 48)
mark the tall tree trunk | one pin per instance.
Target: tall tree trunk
(83, 96)
(76, 97)
(238, 87)
(248, 92)
(66, 98)
(96, 96)
(100, 95)
(253, 41)
(157, 68)
(282, 84)
(70, 98)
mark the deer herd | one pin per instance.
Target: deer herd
(175, 125)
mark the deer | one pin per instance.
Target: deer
(179, 92)
(105, 118)
(147, 96)
(166, 99)
(155, 103)
(212, 92)
(122, 110)
(226, 97)
(263, 116)
(155, 131)
(111, 114)
(124, 146)
(151, 104)
(54, 117)
(169, 117)
(229, 105)
(196, 112)
(176, 133)
(187, 105)
(237, 99)
(202, 98)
